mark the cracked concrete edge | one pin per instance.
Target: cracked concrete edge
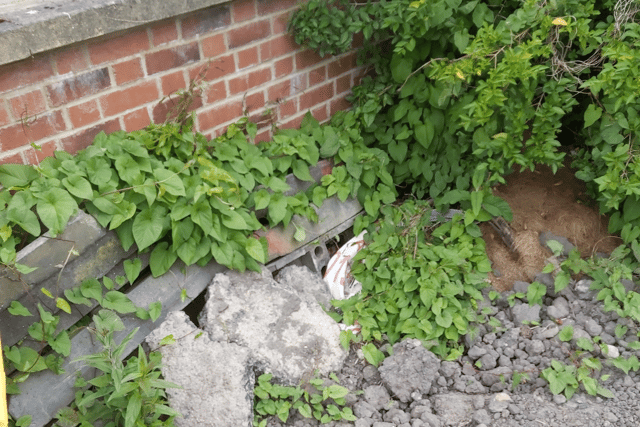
(30, 27)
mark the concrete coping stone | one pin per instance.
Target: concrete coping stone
(28, 27)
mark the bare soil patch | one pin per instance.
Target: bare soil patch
(542, 201)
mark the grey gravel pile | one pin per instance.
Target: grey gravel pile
(413, 388)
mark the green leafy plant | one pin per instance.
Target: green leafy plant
(319, 399)
(568, 378)
(124, 394)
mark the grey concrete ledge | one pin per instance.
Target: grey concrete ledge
(28, 27)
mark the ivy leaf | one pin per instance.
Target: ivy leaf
(277, 208)
(234, 221)
(257, 249)
(591, 115)
(161, 259)
(301, 170)
(132, 269)
(261, 199)
(147, 226)
(15, 175)
(91, 288)
(155, 309)
(222, 254)
(61, 343)
(19, 211)
(202, 215)
(78, 186)
(169, 181)
(372, 354)
(400, 68)
(55, 207)
(18, 309)
(566, 333)
(119, 302)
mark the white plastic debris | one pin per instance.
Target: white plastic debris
(338, 275)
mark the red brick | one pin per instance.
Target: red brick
(28, 104)
(215, 92)
(34, 156)
(342, 65)
(283, 67)
(168, 109)
(317, 76)
(307, 58)
(213, 46)
(72, 60)
(298, 83)
(339, 104)
(84, 114)
(287, 108)
(78, 86)
(172, 58)
(205, 21)
(249, 33)
(263, 136)
(24, 73)
(172, 82)
(279, 91)
(4, 116)
(292, 124)
(280, 22)
(278, 47)
(358, 40)
(125, 99)
(243, 10)
(265, 118)
(316, 96)
(14, 159)
(118, 47)
(164, 32)
(215, 69)
(248, 81)
(247, 57)
(136, 120)
(343, 84)
(128, 71)
(254, 101)
(219, 114)
(22, 134)
(320, 113)
(81, 140)
(270, 6)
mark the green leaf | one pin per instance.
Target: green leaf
(400, 68)
(148, 226)
(91, 288)
(18, 309)
(132, 269)
(535, 292)
(78, 186)
(16, 175)
(257, 249)
(566, 333)
(155, 309)
(261, 199)
(591, 115)
(63, 305)
(134, 406)
(301, 170)
(118, 302)
(161, 259)
(202, 215)
(61, 343)
(169, 181)
(277, 208)
(372, 354)
(19, 211)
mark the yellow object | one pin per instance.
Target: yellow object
(4, 416)
(559, 21)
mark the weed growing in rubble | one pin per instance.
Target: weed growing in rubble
(319, 399)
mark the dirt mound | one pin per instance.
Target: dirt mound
(542, 201)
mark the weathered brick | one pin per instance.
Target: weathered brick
(213, 46)
(128, 71)
(292, 123)
(136, 120)
(343, 83)
(247, 57)
(81, 140)
(22, 134)
(13, 158)
(168, 109)
(307, 58)
(249, 80)
(215, 69)
(4, 116)
(118, 47)
(320, 113)
(125, 99)
(71, 60)
(28, 104)
(283, 67)
(315, 96)
(79, 86)
(342, 65)
(278, 46)
(84, 114)
(288, 108)
(172, 82)
(263, 136)
(219, 114)
(270, 6)
(164, 32)
(24, 73)
(279, 22)
(205, 21)
(254, 101)
(339, 104)
(215, 92)
(317, 76)
(34, 156)
(279, 91)
(172, 58)
(248, 33)
(243, 10)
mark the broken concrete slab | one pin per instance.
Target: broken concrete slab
(306, 284)
(216, 378)
(287, 335)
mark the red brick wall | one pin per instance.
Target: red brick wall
(61, 99)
